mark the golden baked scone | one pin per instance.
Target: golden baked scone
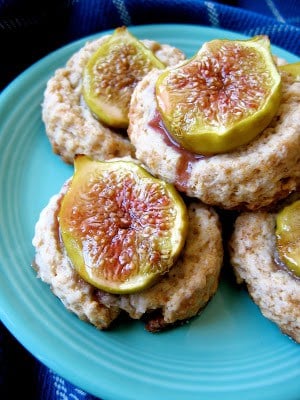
(273, 288)
(70, 125)
(179, 295)
(249, 177)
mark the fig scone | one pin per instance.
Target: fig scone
(256, 260)
(176, 295)
(250, 175)
(71, 126)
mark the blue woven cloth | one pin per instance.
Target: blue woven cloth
(30, 29)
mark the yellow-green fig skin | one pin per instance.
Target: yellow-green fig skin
(288, 236)
(292, 69)
(122, 61)
(87, 173)
(188, 128)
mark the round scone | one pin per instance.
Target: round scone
(272, 287)
(70, 125)
(250, 177)
(190, 283)
(180, 294)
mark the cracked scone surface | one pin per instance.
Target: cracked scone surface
(251, 177)
(70, 125)
(53, 267)
(179, 295)
(190, 283)
(274, 290)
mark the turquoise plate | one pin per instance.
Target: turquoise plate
(228, 352)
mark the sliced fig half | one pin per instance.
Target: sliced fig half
(293, 69)
(288, 236)
(121, 227)
(221, 98)
(113, 72)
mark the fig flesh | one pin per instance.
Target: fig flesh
(112, 73)
(121, 227)
(221, 98)
(293, 69)
(288, 236)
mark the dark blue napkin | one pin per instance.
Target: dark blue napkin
(31, 29)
